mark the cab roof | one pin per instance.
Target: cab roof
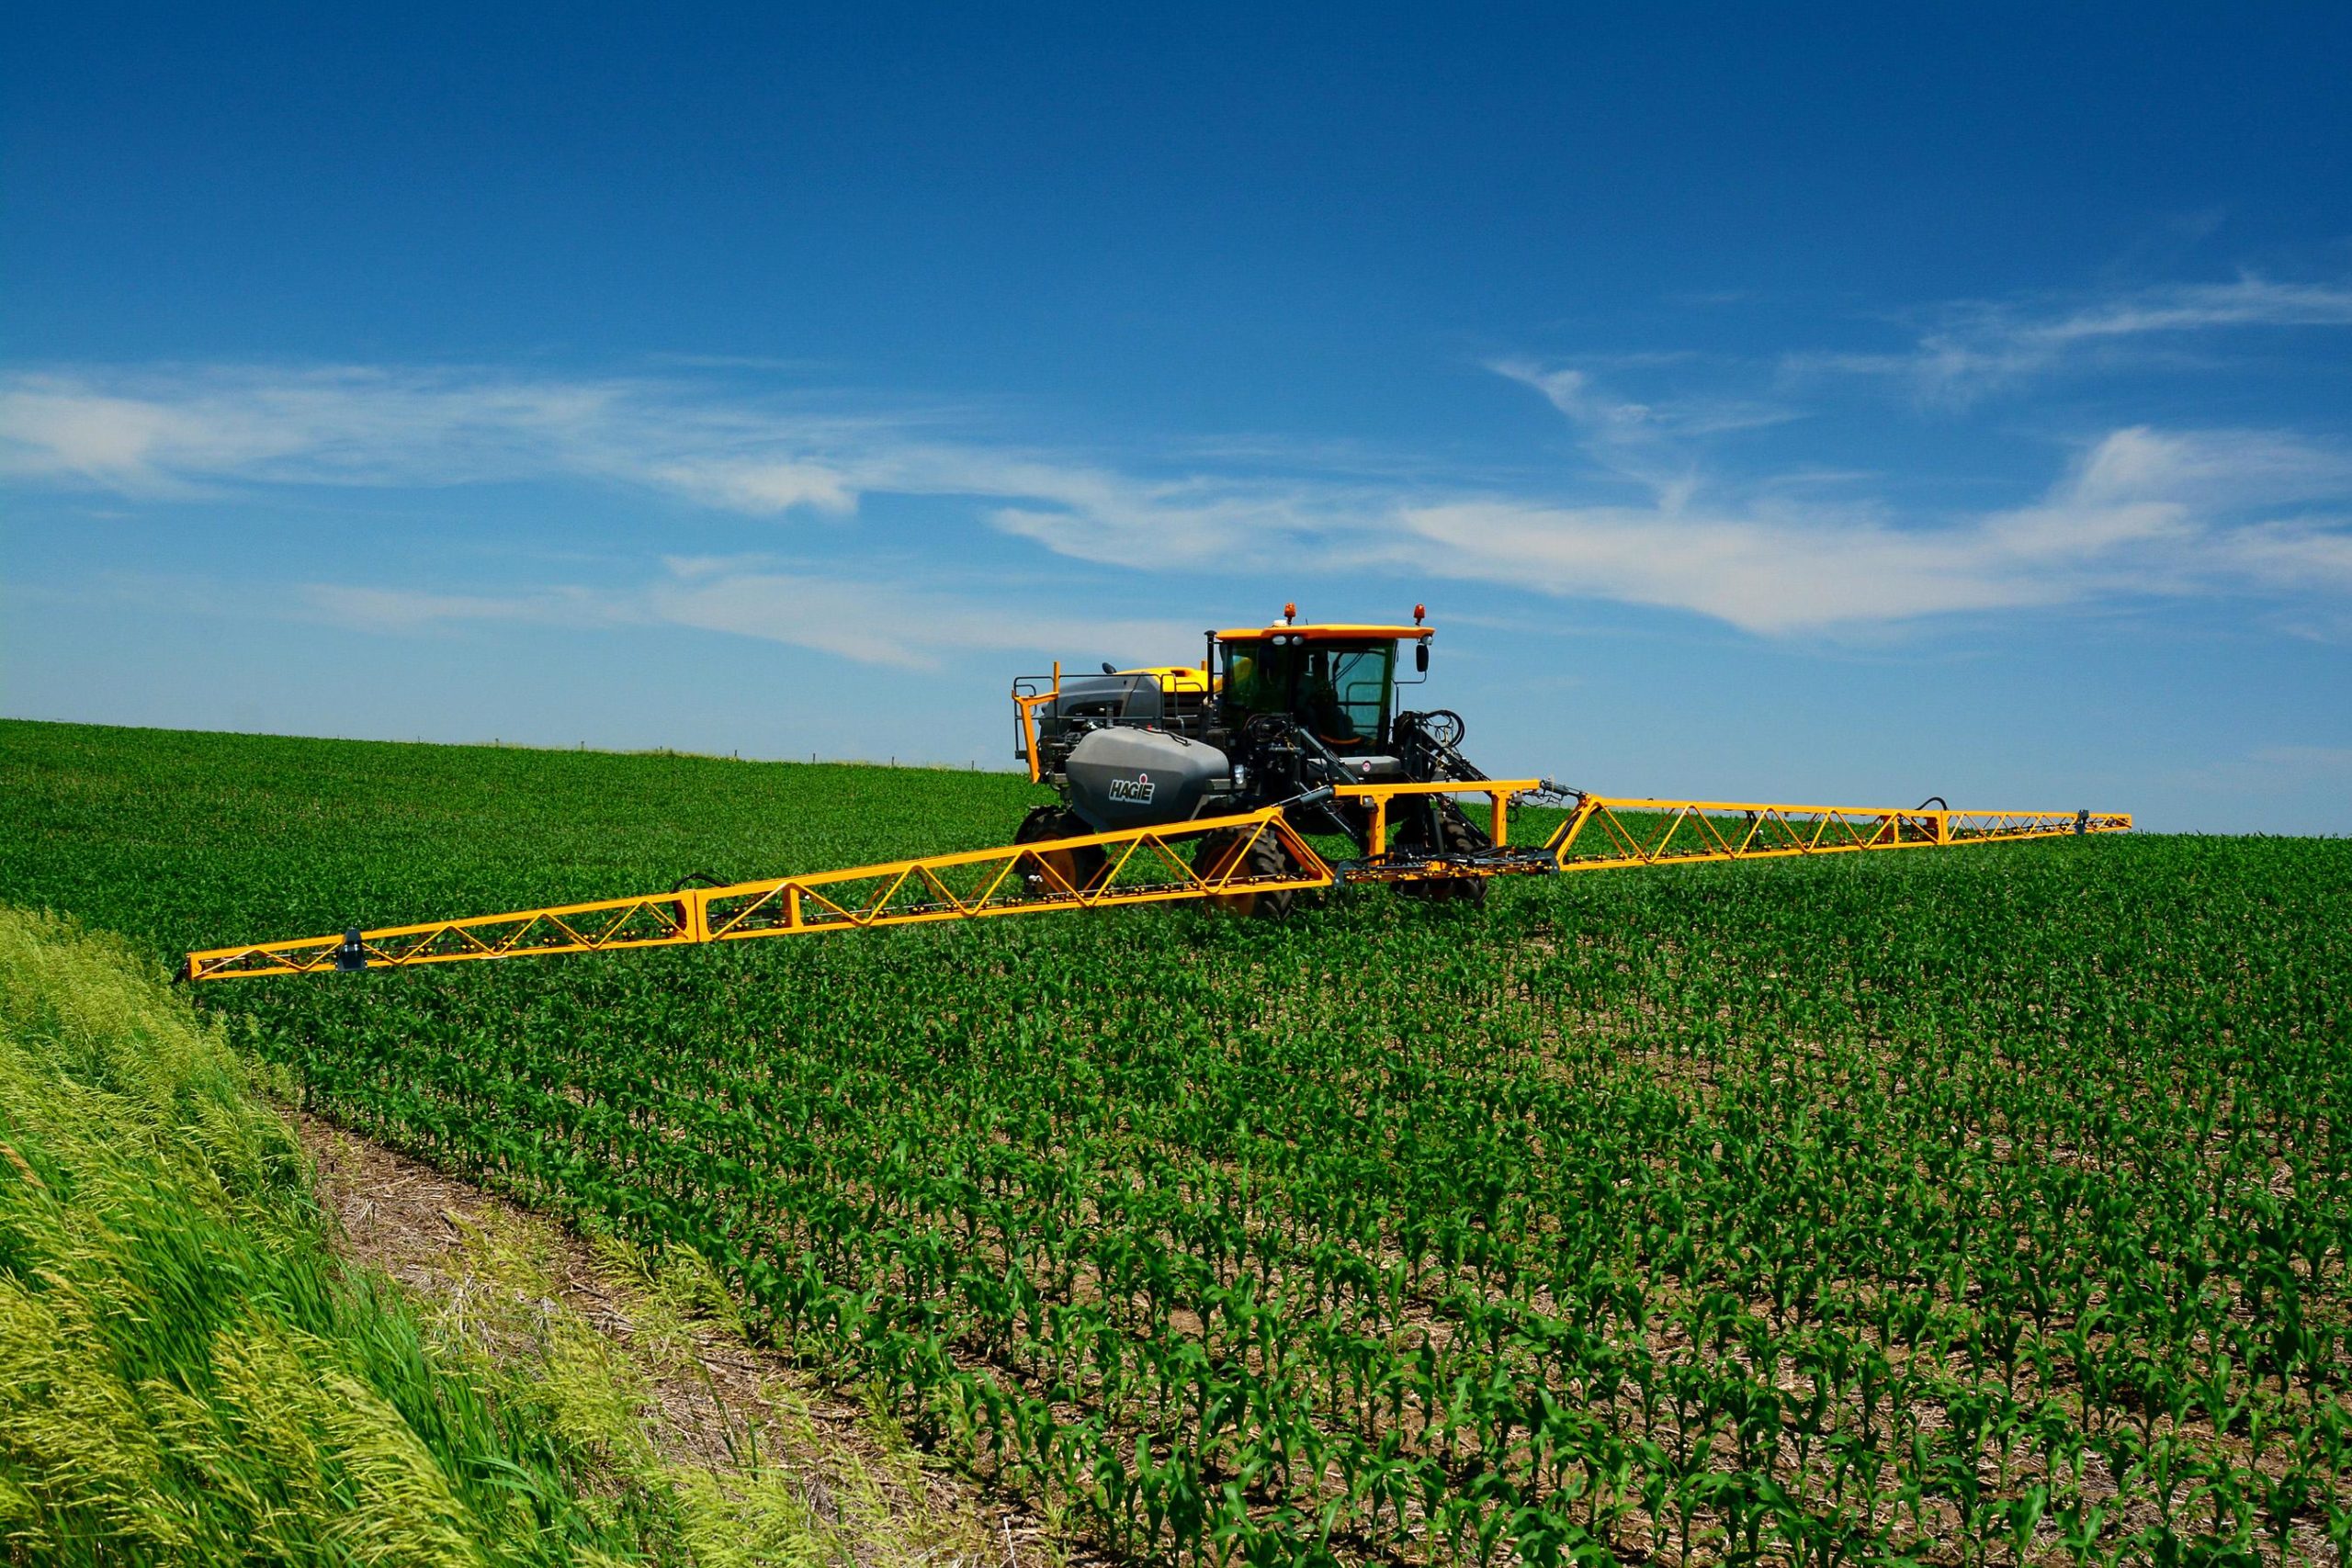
(1329, 631)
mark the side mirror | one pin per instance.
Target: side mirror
(1109, 668)
(1422, 656)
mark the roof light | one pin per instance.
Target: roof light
(1290, 612)
(1417, 613)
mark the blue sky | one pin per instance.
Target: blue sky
(1849, 409)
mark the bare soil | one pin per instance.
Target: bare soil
(412, 1223)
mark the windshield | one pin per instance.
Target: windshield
(1340, 691)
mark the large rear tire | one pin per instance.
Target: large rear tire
(1218, 856)
(1075, 868)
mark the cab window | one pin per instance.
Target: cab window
(1345, 696)
(1259, 675)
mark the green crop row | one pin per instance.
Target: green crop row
(1981, 1205)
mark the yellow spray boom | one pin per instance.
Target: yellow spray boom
(1144, 867)
(1180, 783)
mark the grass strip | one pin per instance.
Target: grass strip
(186, 1372)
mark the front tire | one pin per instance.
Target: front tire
(1231, 852)
(1075, 868)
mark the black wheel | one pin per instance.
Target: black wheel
(1216, 857)
(1456, 834)
(1075, 868)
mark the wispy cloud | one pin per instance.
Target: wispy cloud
(1577, 394)
(378, 609)
(868, 620)
(179, 431)
(890, 624)
(754, 485)
(2137, 511)
(2130, 518)
(1972, 347)
(1653, 443)
(2251, 300)
(175, 433)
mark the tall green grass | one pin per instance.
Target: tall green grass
(186, 1372)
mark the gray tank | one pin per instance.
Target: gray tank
(1140, 778)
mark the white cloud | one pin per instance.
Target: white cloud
(2249, 301)
(888, 623)
(867, 621)
(1152, 527)
(375, 609)
(762, 486)
(1977, 345)
(2140, 511)
(1761, 574)
(1603, 416)
(167, 432)
(181, 431)
(1572, 391)
(57, 429)
(2132, 517)
(2303, 554)
(2235, 468)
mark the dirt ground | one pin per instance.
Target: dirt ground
(495, 1273)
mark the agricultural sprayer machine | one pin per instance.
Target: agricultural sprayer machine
(1279, 767)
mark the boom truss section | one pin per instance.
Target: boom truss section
(1148, 866)
(1607, 832)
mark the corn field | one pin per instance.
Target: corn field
(1977, 1206)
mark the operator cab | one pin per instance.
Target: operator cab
(1338, 682)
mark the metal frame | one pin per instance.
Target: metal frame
(1499, 792)
(1028, 701)
(1639, 831)
(1141, 865)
